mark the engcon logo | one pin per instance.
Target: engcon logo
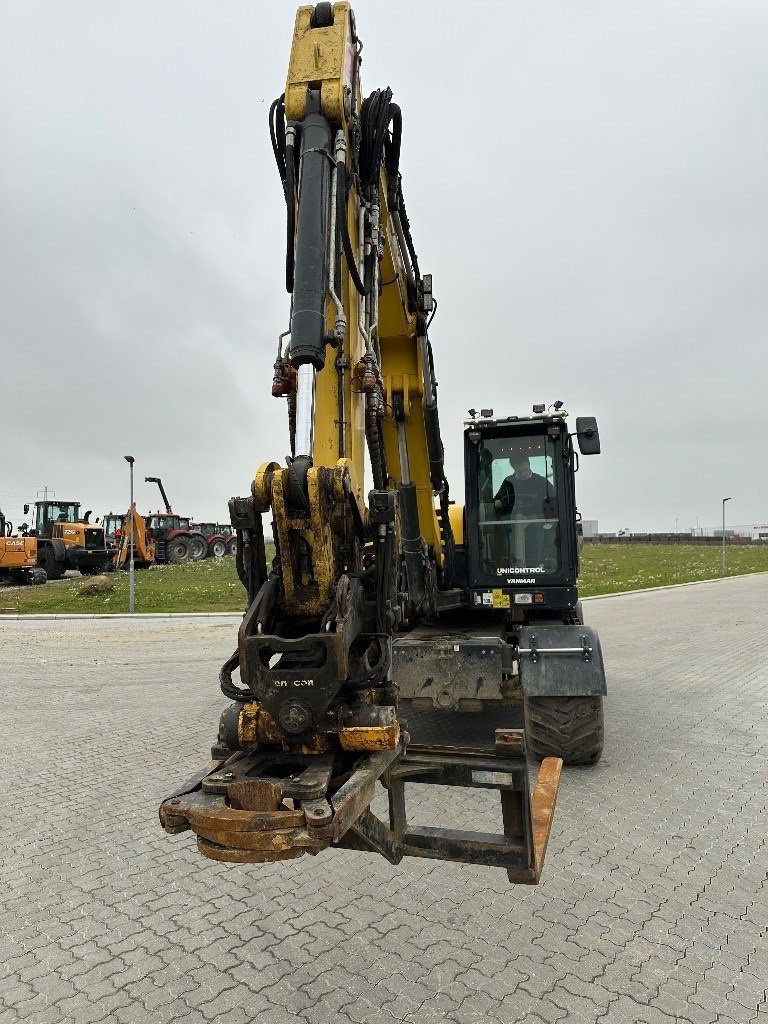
(293, 682)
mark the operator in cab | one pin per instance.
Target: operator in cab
(526, 499)
(523, 490)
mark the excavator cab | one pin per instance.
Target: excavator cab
(521, 542)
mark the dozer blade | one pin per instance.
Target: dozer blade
(269, 806)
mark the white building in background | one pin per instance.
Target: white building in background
(589, 528)
(758, 531)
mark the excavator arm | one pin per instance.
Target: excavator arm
(314, 725)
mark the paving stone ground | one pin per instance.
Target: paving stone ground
(652, 907)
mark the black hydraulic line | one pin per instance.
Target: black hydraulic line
(392, 146)
(449, 542)
(406, 226)
(377, 112)
(375, 448)
(434, 446)
(286, 166)
(411, 540)
(277, 134)
(228, 688)
(343, 227)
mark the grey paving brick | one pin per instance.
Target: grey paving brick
(652, 907)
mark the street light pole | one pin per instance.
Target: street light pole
(131, 569)
(724, 566)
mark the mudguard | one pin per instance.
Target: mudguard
(561, 661)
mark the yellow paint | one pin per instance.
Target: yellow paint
(143, 546)
(370, 738)
(456, 516)
(73, 534)
(320, 56)
(325, 57)
(18, 552)
(402, 370)
(500, 599)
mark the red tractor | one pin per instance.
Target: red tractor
(176, 540)
(219, 538)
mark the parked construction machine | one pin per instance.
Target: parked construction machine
(133, 528)
(175, 539)
(65, 541)
(18, 556)
(406, 639)
(218, 538)
(113, 523)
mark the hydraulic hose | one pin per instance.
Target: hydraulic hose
(375, 447)
(343, 227)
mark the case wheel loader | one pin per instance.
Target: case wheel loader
(18, 556)
(65, 541)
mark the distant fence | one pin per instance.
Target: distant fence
(669, 538)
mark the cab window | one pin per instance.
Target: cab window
(518, 523)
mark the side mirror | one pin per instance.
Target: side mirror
(26, 510)
(587, 435)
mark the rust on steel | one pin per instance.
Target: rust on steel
(543, 807)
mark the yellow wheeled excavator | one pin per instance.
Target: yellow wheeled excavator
(396, 637)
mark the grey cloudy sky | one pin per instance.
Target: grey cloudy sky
(585, 180)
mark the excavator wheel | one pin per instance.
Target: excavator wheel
(567, 727)
(46, 558)
(179, 551)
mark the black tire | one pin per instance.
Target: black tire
(232, 546)
(38, 577)
(178, 551)
(91, 570)
(217, 548)
(46, 560)
(198, 547)
(567, 727)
